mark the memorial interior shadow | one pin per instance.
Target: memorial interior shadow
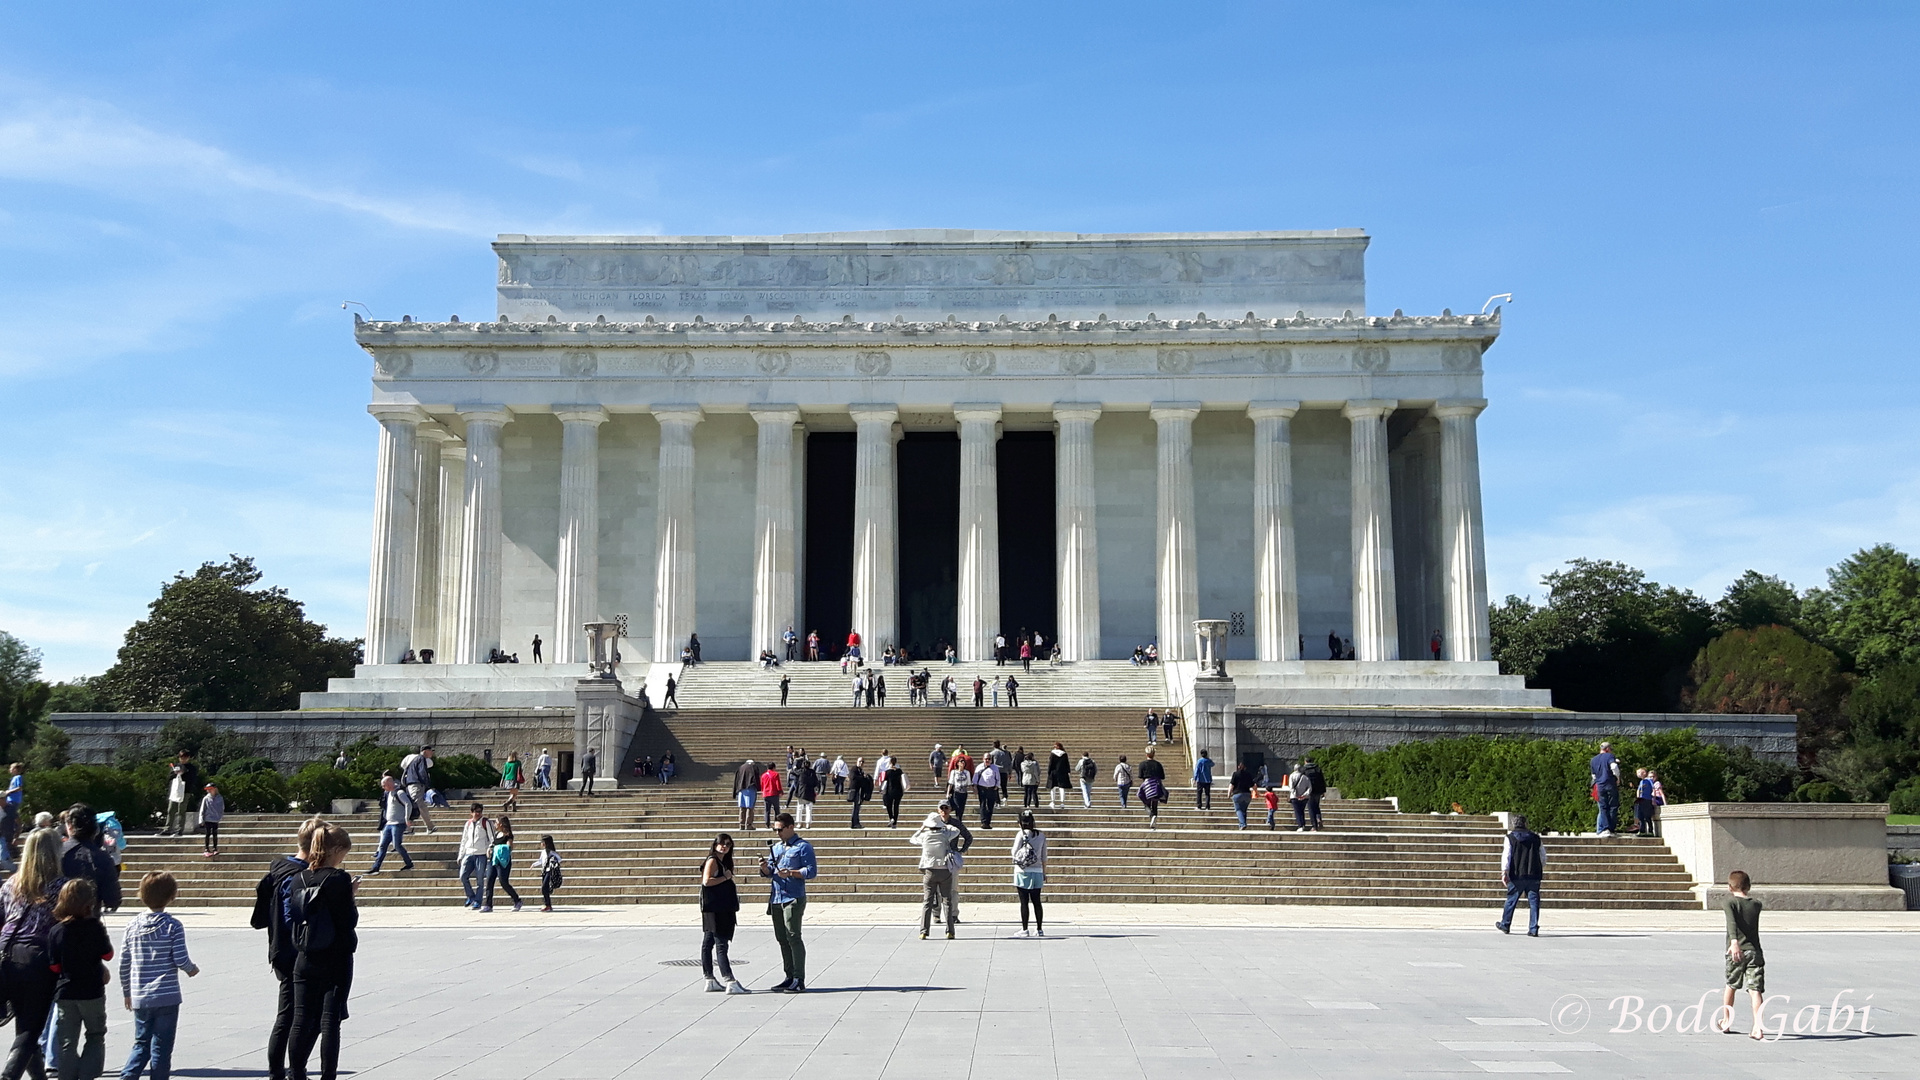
(1027, 576)
(828, 603)
(928, 464)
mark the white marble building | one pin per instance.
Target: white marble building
(731, 435)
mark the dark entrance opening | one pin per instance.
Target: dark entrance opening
(1026, 535)
(928, 464)
(830, 461)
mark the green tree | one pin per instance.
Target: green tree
(211, 643)
(1755, 600)
(1870, 610)
(23, 697)
(51, 749)
(80, 695)
(1519, 636)
(1882, 747)
(1773, 670)
(1608, 640)
(211, 747)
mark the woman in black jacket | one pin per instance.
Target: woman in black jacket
(323, 973)
(893, 788)
(1059, 777)
(859, 789)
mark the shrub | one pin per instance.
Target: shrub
(1905, 798)
(316, 785)
(463, 771)
(245, 765)
(1819, 791)
(139, 796)
(255, 792)
(1750, 779)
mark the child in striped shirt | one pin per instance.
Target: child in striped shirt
(154, 950)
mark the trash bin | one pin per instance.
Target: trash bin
(1906, 877)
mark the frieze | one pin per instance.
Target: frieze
(1372, 358)
(1076, 362)
(977, 361)
(773, 361)
(873, 363)
(579, 363)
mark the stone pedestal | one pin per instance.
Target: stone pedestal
(604, 720)
(1211, 723)
(1801, 856)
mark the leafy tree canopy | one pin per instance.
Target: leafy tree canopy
(1773, 670)
(1755, 600)
(23, 697)
(212, 643)
(1870, 609)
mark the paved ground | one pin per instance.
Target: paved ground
(442, 993)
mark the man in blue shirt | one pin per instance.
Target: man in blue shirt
(10, 810)
(789, 865)
(1605, 772)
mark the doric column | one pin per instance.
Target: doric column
(428, 439)
(773, 530)
(577, 565)
(453, 530)
(1376, 634)
(479, 629)
(874, 555)
(979, 606)
(1462, 539)
(1076, 533)
(395, 506)
(1177, 574)
(673, 581)
(1276, 582)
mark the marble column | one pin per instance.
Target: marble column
(453, 529)
(395, 516)
(1462, 538)
(478, 632)
(979, 599)
(1177, 598)
(773, 531)
(1376, 632)
(874, 535)
(673, 580)
(577, 564)
(1276, 582)
(427, 544)
(1076, 532)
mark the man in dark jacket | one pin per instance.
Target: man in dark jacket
(1319, 781)
(1523, 862)
(746, 790)
(270, 914)
(82, 857)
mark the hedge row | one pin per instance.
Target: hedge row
(1545, 779)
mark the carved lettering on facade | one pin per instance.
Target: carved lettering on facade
(1175, 361)
(1371, 358)
(1077, 362)
(772, 361)
(977, 361)
(873, 363)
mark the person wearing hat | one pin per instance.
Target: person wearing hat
(213, 807)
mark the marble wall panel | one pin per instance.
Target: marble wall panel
(1223, 503)
(1125, 474)
(1323, 506)
(529, 522)
(725, 472)
(629, 466)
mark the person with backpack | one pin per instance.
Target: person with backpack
(152, 955)
(416, 772)
(270, 913)
(500, 864)
(213, 808)
(1087, 771)
(1030, 873)
(547, 865)
(322, 917)
(77, 951)
(476, 847)
(83, 857)
(1523, 862)
(719, 915)
(394, 813)
(1316, 787)
(26, 921)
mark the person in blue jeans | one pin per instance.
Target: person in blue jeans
(476, 851)
(1203, 783)
(1523, 861)
(1240, 784)
(394, 813)
(152, 955)
(1604, 769)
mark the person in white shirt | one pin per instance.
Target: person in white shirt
(476, 848)
(986, 783)
(543, 771)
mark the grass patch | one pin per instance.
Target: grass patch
(1903, 819)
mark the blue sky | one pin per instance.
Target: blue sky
(1707, 212)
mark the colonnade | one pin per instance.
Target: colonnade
(437, 538)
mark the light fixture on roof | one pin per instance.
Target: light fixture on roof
(1507, 296)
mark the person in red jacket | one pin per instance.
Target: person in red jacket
(853, 643)
(770, 792)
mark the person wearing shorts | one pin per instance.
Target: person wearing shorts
(746, 785)
(1746, 964)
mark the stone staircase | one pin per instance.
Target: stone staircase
(644, 844)
(821, 685)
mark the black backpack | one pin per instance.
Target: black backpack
(309, 923)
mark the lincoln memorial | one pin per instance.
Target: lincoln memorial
(936, 436)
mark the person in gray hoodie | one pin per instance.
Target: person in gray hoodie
(213, 808)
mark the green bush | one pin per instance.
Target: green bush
(139, 795)
(1905, 798)
(256, 792)
(245, 765)
(1819, 791)
(1545, 779)
(316, 785)
(463, 771)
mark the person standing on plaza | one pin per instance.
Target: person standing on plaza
(547, 864)
(1746, 964)
(500, 864)
(986, 782)
(936, 839)
(589, 765)
(788, 867)
(26, 921)
(858, 786)
(1030, 873)
(77, 950)
(1153, 787)
(1604, 771)
(958, 860)
(1059, 777)
(806, 791)
(1087, 771)
(1203, 782)
(416, 772)
(1123, 779)
(324, 920)
(746, 790)
(719, 914)
(1523, 862)
(153, 952)
(1240, 789)
(394, 812)
(476, 847)
(270, 914)
(770, 791)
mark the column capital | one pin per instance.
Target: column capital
(678, 414)
(1459, 407)
(1162, 411)
(774, 414)
(1369, 407)
(453, 450)
(486, 414)
(396, 411)
(869, 413)
(432, 432)
(1076, 410)
(1273, 410)
(989, 414)
(580, 414)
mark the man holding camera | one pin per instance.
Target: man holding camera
(789, 865)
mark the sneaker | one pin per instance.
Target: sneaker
(1503, 928)
(516, 905)
(923, 935)
(1535, 932)
(371, 873)
(949, 935)
(714, 986)
(409, 866)
(1039, 933)
(796, 987)
(1020, 933)
(487, 908)
(735, 988)
(549, 907)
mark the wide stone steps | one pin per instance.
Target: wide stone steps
(821, 685)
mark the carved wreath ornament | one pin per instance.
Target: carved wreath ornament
(1277, 360)
(482, 363)
(1077, 362)
(1176, 361)
(579, 364)
(977, 361)
(677, 363)
(392, 363)
(873, 363)
(1371, 358)
(772, 361)
(1460, 357)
